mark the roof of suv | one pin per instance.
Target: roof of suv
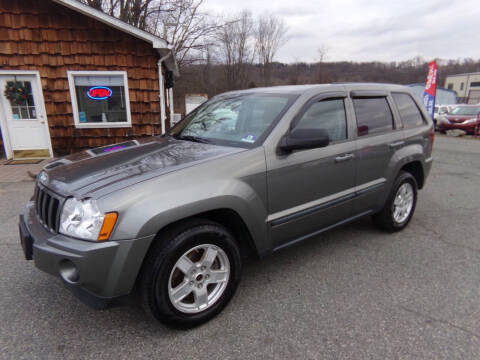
(301, 89)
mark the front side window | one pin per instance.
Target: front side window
(100, 99)
(409, 113)
(373, 115)
(240, 120)
(328, 115)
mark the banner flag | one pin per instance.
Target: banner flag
(430, 88)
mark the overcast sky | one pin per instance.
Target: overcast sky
(364, 30)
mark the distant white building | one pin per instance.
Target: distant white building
(467, 87)
(192, 101)
(443, 97)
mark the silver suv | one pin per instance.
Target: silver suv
(247, 173)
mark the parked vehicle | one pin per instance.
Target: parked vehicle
(175, 215)
(441, 110)
(462, 117)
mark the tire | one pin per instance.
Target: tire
(389, 220)
(164, 286)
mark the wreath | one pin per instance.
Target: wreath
(15, 92)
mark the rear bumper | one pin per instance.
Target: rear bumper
(98, 273)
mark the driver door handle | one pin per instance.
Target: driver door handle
(343, 158)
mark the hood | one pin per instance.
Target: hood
(458, 118)
(99, 171)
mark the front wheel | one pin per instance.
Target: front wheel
(191, 274)
(400, 206)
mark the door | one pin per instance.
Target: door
(308, 190)
(24, 125)
(379, 136)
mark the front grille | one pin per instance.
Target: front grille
(47, 208)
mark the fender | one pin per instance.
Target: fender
(401, 157)
(147, 207)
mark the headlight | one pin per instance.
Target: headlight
(470, 121)
(82, 219)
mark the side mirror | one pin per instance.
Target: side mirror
(302, 139)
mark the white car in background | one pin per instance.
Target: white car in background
(441, 110)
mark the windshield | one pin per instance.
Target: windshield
(240, 120)
(465, 110)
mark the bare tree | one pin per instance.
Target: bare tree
(134, 12)
(137, 12)
(270, 35)
(187, 28)
(97, 4)
(236, 49)
(180, 22)
(322, 55)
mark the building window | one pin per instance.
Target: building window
(461, 86)
(450, 86)
(475, 84)
(99, 99)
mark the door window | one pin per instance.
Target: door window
(328, 115)
(23, 109)
(373, 115)
(409, 113)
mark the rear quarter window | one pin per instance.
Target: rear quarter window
(409, 112)
(373, 115)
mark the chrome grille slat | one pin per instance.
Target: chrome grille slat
(44, 205)
(50, 213)
(47, 208)
(37, 199)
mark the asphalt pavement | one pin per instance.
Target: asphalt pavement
(352, 293)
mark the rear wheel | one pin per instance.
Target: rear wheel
(190, 274)
(400, 206)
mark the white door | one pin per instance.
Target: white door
(24, 126)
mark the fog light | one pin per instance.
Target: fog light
(68, 271)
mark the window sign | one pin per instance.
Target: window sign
(100, 99)
(82, 117)
(99, 92)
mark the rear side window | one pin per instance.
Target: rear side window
(328, 115)
(373, 115)
(409, 113)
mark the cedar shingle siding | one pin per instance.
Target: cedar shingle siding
(44, 36)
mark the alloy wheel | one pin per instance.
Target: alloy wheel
(198, 278)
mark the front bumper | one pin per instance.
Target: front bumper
(97, 272)
(469, 128)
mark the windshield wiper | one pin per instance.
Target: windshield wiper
(193, 138)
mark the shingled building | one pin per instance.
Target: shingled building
(72, 77)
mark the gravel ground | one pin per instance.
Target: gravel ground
(353, 293)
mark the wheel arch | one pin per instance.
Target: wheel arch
(416, 169)
(226, 217)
